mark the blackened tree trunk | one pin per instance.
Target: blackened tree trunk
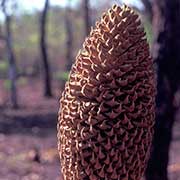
(167, 55)
(10, 56)
(44, 53)
(69, 38)
(87, 19)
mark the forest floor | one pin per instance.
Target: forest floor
(28, 142)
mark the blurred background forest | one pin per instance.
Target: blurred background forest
(39, 40)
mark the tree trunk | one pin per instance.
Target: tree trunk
(10, 57)
(69, 39)
(148, 8)
(43, 45)
(167, 56)
(87, 19)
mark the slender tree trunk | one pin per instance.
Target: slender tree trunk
(10, 57)
(167, 56)
(69, 38)
(148, 8)
(44, 53)
(87, 19)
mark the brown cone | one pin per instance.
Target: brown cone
(106, 115)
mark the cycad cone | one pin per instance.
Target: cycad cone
(106, 115)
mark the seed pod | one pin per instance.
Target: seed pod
(106, 115)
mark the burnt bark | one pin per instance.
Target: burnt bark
(87, 19)
(167, 58)
(44, 51)
(10, 56)
(69, 38)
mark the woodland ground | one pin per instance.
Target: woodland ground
(28, 143)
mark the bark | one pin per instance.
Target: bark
(87, 19)
(44, 53)
(69, 39)
(10, 56)
(167, 56)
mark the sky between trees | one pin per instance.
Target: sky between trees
(27, 5)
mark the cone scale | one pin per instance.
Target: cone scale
(106, 116)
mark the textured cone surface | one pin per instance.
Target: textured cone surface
(106, 115)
